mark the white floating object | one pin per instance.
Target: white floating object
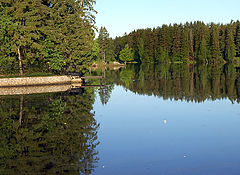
(103, 166)
(165, 121)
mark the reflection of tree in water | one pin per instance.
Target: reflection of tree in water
(57, 134)
(105, 91)
(181, 81)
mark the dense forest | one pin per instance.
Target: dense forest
(54, 35)
(59, 36)
(189, 42)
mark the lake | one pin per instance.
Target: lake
(145, 119)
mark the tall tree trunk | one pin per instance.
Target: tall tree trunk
(20, 61)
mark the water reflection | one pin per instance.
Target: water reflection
(178, 81)
(48, 134)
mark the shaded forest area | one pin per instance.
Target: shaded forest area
(189, 42)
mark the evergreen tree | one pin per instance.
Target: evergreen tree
(103, 39)
(230, 51)
(185, 44)
(237, 39)
(126, 54)
(110, 55)
(203, 51)
(141, 51)
(176, 47)
(54, 33)
(30, 20)
(96, 50)
(214, 43)
(6, 29)
(106, 45)
(71, 29)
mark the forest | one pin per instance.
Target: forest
(51, 35)
(61, 37)
(189, 42)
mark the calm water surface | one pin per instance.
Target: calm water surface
(147, 120)
(148, 135)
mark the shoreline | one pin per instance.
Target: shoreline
(39, 81)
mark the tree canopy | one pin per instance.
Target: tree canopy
(194, 42)
(126, 54)
(52, 34)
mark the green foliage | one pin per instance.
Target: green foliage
(106, 45)
(143, 56)
(57, 134)
(126, 54)
(96, 50)
(189, 42)
(28, 26)
(203, 51)
(7, 26)
(230, 50)
(126, 77)
(214, 43)
(53, 57)
(237, 40)
(198, 83)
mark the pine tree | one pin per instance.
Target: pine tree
(214, 43)
(230, 51)
(96, 51)
(237, 40)
(72, 31)
(6, 29)
(103, 39)
(203, 51)
(30, 19)
(176, 47)
(185, 44)
(141, 51)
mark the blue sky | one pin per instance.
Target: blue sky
(120, 16)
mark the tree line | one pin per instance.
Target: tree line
(189, 42)
(48, 34)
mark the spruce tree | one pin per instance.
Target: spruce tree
(72, 31)
(214, 43)
(230, 51)
(103, 40)
(6, 29)
(203, 51)
(185, 44)
(237, 40)
(30, 19)
(126, 54)
(141, 51)
(176, 47)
